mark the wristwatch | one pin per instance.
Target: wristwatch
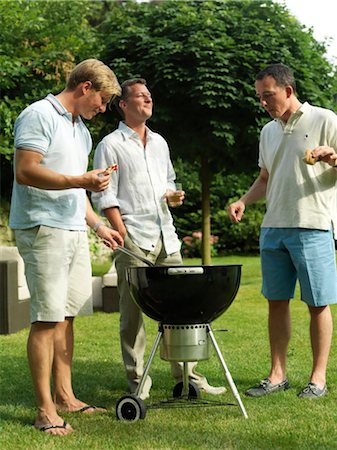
(96, 226)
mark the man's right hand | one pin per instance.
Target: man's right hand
(95, 180)
(29, 171)
(235, 211)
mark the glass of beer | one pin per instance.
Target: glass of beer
(174, 197)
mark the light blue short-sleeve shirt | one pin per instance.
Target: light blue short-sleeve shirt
(47, 127)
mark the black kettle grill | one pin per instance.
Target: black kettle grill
(184, 300)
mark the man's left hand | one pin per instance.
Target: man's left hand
(110, 237)
(326, 154)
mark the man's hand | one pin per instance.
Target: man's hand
(29, 171)
(95, 180)
(235, 211)
(175, 198)
(110, 237)
(326, 154)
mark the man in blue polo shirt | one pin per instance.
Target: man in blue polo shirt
(50, 213)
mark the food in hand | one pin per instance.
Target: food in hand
(309, 159)
(111, 169)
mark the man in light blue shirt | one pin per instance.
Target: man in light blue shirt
(50, 213)
(136, 204)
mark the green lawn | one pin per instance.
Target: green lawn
(280, 421)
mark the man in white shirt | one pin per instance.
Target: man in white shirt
(136, 204)
(296, 241)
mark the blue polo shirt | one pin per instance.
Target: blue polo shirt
(47, 127)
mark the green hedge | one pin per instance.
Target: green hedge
(225, 188)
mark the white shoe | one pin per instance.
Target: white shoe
(205, 387)
(214, 390)
(146, 388)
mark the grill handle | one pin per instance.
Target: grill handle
(134, 255)
(185, 271)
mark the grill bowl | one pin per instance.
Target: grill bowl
(184, 294)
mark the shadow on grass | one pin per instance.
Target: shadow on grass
(100, 383)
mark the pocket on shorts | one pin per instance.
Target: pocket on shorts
(25, 239)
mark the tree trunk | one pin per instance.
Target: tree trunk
(206, 216)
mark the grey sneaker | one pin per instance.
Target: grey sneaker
(266, 387)
(313, 391)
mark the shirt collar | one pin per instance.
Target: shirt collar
(305, 107)
(60, 108)
(129, 133)
(293, 119)
(57, 105)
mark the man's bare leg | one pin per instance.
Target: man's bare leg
(321, 327)
(40, 350)
(279, 324)
(64, 397)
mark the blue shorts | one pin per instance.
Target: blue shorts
(291, 254)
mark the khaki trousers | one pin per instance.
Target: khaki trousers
(132, 329)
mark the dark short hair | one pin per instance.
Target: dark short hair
(125, 91)
(282, 74)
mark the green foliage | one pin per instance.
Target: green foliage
(200, 60)
(6, 234)
(37, 51)
(192, 245)
(225, 188)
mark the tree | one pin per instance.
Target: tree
(200, 59)
(40, 42)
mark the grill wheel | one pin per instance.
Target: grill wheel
(130, 408)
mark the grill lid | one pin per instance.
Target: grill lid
(184, 294)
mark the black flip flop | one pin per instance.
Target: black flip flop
(51, 427)
(85, 408)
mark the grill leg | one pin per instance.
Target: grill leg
(186, 387)
(139, 389)
(228, 375)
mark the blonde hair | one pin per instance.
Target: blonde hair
(99, 74)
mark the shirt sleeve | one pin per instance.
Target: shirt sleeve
(105, 156)
(171, 175)
(331, 130)
(32, 131)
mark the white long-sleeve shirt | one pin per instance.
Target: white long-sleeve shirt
(138, 187)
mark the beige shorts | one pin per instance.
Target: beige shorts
(58, 272)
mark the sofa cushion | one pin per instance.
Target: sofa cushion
(12, 253)
(110, 278)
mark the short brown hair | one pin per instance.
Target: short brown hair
(99, 74)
